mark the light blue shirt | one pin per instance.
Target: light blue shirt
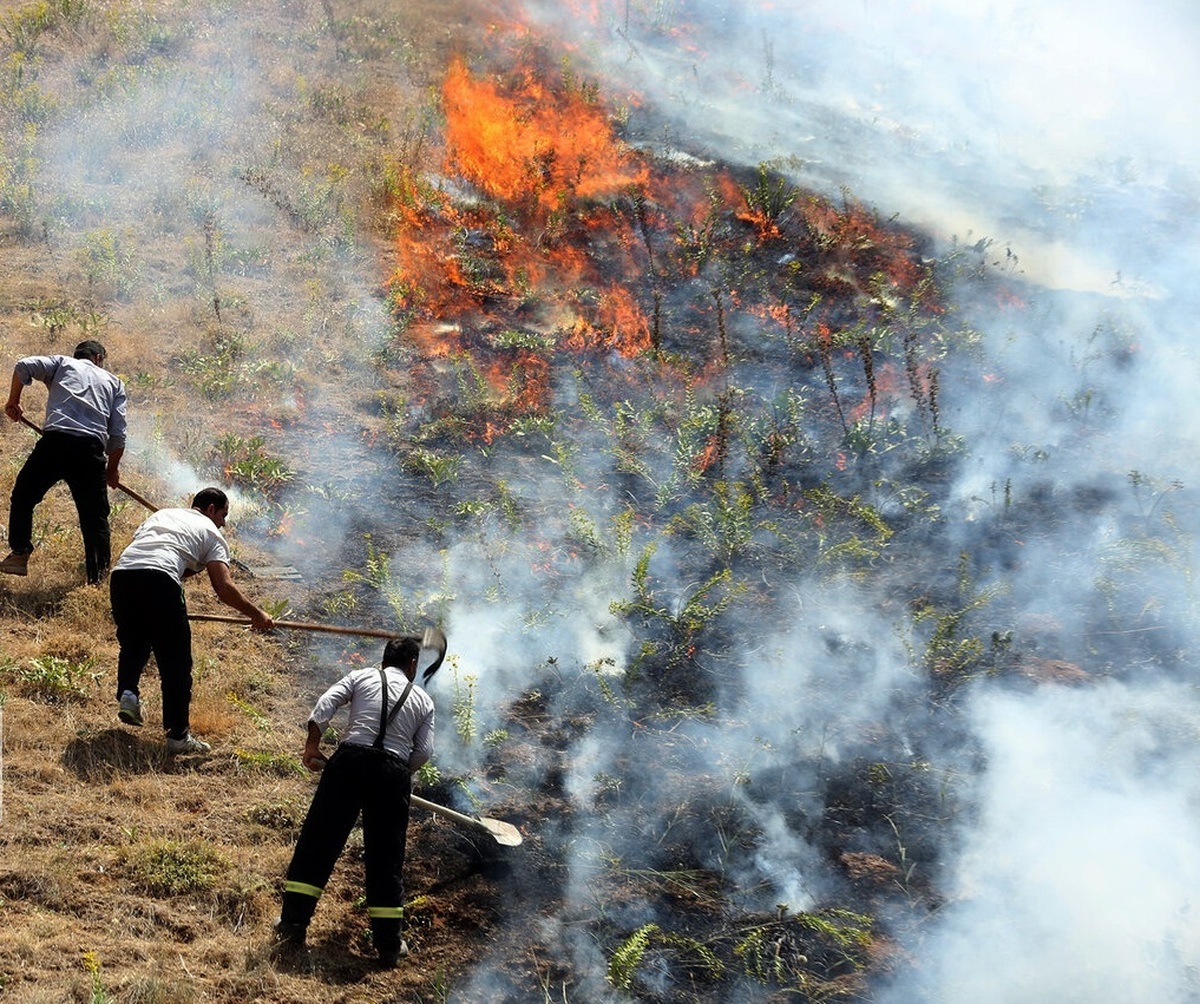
(84, 400)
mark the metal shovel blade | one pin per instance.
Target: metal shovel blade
(433, 651)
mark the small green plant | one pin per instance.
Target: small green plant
(681, 622)
(108, 262)
(174, 868)
(761, 958)
(428, 776)
(281, 764)
(950, 653)
(54, 679)
(623, 965)
(246, 462)
(440, 468)
(464, 709)
(263, 721)
(769, 199)
(19, 170)
(54, 316)
(628, 956)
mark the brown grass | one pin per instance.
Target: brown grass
(84, 798)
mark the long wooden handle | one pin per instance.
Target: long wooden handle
(136, 497)
(126, 489)
(300, 626)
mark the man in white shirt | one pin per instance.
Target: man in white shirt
(389, 735)
(150, 608)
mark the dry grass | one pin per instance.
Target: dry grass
(90, 805)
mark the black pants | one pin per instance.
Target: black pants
(150, 611)
(80, 462)
(375, 782)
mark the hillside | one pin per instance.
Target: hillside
(692, 464)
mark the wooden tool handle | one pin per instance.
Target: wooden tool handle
(300, 626)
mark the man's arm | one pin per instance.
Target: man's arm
(112, 474)
(312, 757)
(116, 436)
(12, 407)
(228, 593)
(422, 744)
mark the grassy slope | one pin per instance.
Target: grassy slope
(96, 818)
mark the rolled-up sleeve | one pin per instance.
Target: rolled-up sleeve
(36, 368)
(423, 739)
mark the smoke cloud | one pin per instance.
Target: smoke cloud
(1032, 143)
(1051, 149)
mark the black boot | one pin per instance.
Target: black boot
(390, 955)
(289, 941)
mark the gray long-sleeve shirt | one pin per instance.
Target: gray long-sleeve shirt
(84, 399)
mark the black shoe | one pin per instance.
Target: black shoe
(289, 941)
(389, 958)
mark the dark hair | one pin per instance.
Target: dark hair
(399, 652)
(210, 496)
(91, 349)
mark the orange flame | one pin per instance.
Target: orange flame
(534, 143)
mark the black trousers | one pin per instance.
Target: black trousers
(150, 611)
(377, 784)
(80, 462)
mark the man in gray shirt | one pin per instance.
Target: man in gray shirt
(82, 440)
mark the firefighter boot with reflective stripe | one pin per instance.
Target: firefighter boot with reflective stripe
(386, 932)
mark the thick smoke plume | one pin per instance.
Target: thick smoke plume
(1033, 145)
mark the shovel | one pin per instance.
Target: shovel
(500, 831)
(432, 640)
(503, 833)
(266, 572)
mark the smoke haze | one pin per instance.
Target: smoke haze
(1039, 142)
(1050, 149)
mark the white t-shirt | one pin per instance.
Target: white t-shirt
(174, 541)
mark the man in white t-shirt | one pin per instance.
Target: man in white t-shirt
(150, 608)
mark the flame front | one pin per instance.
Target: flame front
(532, 144)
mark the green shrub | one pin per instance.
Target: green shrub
(174, 868)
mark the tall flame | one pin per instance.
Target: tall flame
(534, 143)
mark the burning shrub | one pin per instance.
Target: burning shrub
(532, 143)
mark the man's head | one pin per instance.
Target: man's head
(403, 654)
(214, 503)
(91, 350)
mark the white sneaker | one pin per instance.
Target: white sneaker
(130, 709)
(188, 744)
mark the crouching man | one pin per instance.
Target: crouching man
(389, 735)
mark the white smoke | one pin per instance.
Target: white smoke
(1079, 881)
(1060, 142)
